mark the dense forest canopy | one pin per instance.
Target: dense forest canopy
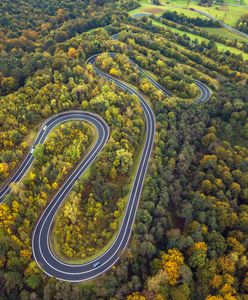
(190, 237)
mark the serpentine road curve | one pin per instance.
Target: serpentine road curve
(42, 252)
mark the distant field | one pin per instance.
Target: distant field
(184, 2)
(220, 46)
(229, 14)
(226, 33)
(191, 35)
(232, 2)
(147, 6)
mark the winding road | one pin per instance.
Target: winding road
(42, 252)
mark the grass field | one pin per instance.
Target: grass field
(181, 7)
(222, 32)
(229, 2)
(192, 36)
(226, 13)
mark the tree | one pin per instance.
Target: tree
(39, 153)
(136, 296)
(199, 255)
(4, 170)
(8, 85)
(171, 262)
(72, 52)
(33, 281)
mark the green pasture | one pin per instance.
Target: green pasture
(221, 47)
(229, 13)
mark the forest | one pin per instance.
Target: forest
(190, 236)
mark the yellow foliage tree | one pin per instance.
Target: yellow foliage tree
(26, 253)
(201, 246)
(4, 170)
(72, 52)
(114, 72)
(214, 298)
(136, 296)
(171, 262)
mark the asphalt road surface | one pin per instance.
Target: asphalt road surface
(42, 252)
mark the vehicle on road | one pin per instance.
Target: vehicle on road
(96, 264)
